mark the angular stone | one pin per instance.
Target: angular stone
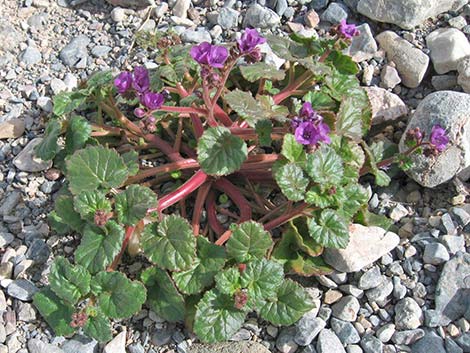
(448, 46)
(345, 331)
(411, 63)
(117, 344)
(366, 245)
(131, 3)
(37, 346)
(308, 327)
(386, 106)
(22, 289)
(464, 74)
(430, 343)
(346, 309)
(75, 54)
(181, 7)
(435, 254)
(408, 314)
(27, 161)
(328, 342)
(371, 344)
(370, 279)
(260, 17)
(363, 47)
(407, 337)
(229, 347)
(334, 13)
(80, 344)
(11, 128)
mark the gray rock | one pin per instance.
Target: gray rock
(12, 128)
(80, 344)
(328, 342)
(75, 54)
(45, 103)
(352, 4)
(30, 56)
(318, 4)
(435, 254)
(444, 82)
(131, 3)
(366, 245)
(161, 336)
(196, 36)
(229, 347)
(285, 341)
(464, 74)
(345, 331)
(407, 337)
(100, 51)
(458, 22)
(408, 314)
(25, 312)
(452, 296)
(228, 18)
(280, 7)
(5, 239)
(57, 86)
(11, 38)
(346, 309)
(308, 327)
(38, 251)
(448, 46)
(136, 348)
(117, 344)
(370, 279)
(450, 110)
(334, 13)
(410, 62)
(386, 106)
(118, 14)
(371, 344)
(22, 289)
(406, 13)
(451, 346)
(353, 348)
(430, 343)
(260, 17)
(399, 290)
(363, 47)
(381, 292)
(385, 333)
(37, 346)
(389, 76)
(464, 341)
(27, 161)
(453, 243)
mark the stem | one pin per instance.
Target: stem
(287, 92)
(224, 237)
(212, 214)
(129, 232)
(200, 199)
(166, 168)
(286, 217)
(231, 190)
(182, 110)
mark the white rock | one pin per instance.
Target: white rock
(408, 314)
(366, 245)
(389, 77)
(117, 344)
(363, 46)
(411, 63)
(181, 7)
(464, 74)
(386, 106)
(118, 14)
(448, 46)
(37, 346)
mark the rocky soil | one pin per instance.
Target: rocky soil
(406, 290)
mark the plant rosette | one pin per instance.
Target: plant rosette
(153, 161)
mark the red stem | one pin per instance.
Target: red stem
(129, 231)
(231, 190)
(200, 199)
(297, 211)
(212, 214)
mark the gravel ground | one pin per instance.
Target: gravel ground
(414, 298)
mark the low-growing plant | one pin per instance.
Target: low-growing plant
(213, 133)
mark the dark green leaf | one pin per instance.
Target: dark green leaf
(367, 218)
(48, 147)
(163, 298)
(66, 214)
(170, 244)
(100, 78)
(99, 246)
(228, 281)
(289, 305)
(356, 197)
(324, 166)
(320, 100)
(67, 102)
(216, 318)
(264, 129)
(95, 167)
(292, 181)
(69, 282)
(131, 159)
(220, 152)
(88, 202)
(249, 241)
(292, 150)
(286, 48)
(57, 223)
(132, 204)
(330, 230)
(211, 259)
(332, 197)
(286, 248)
(381, 178)
(256, 71)
(98, 326)
(343, 63)
(78, 133)
(57, 313)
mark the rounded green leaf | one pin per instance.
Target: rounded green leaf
(98, 326)
(170, 244)
(249, 241)
(216, 317)
(69, 282)
(228, 281)
(88, 202)
(99, 246)
(289, 304)
(292, 150)
(324, 166)
(220, 152)
(254, 72)
(132, 204)
(48, 147)
(78, 133)
(95, 167)
(66, 213)
(118, 296)
(330, 230)
(292, 181)
(307, 266)
(163, 298)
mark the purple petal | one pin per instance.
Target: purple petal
(123, 82)
(152, 100)
(201, 52)
(217, 57)
(141, 79)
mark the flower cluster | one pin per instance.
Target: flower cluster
(347, 31)
(248, 45)
(438, 140)
(309, 127)
(208, 54)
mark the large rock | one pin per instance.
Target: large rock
(261, 17)
(386, 106)
(328, 342)
(366, 245)
(452, 295)
(27, 161)
(411, 63)
(406, 13)
(464, 74)
(229, 347)
(448, 47)
(37, 346)
(450, 110)
(131, 3)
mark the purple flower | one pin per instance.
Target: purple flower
(347, 31)
(123, 82)
(141, 79)
(152, 100)
(207, 54)
(139, 112)
(309, 133)
(249, 40)
(439, 138)
(307, 112)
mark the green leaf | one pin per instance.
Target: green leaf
(78, 133)
(163, 298)
(211, 259)
(343, 63)
(170, 244)
(286, 248)
(118, 296)
(228, 281)
(302, 238)
(57, 223)
(381, 178)
(349, 119)
(256, 71)
(216, 318)
(292, 150)
(330, 231)
(88, 202)
(99, 246)
(95, 167)
(69, 282)
(100, 78)
(56, 312)
(249, 241)
(332, 197)
(309, 266)
(289, 305)
(132, 204)
(66, 213)
(98, 327)
(264, 129)
(320, 100)
(356, 197)
(220, 152)
(261, 278)
(324, 166)
(131, 159)
(48, 147)
(367, 218)
(286, 48)
(292, 181)
(67, 102)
